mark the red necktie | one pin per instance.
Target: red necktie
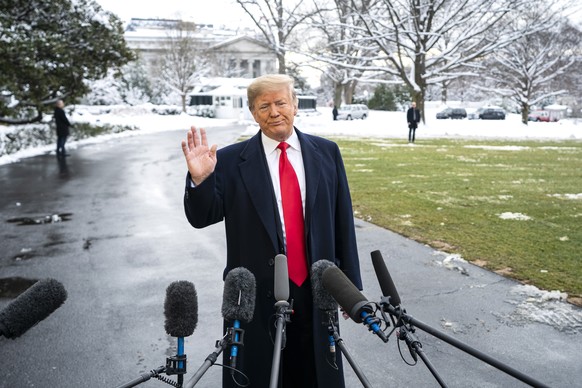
(293, 217)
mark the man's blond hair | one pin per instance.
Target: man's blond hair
(270, 82)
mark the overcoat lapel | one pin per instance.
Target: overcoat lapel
(312, 163)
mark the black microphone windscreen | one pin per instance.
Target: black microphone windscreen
(181, 309)
(238, 300)
(31, 307)
(321, 297)
(281, 278)
(384, 278)
(345, 292)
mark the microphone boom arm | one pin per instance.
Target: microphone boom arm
(406, 334)
(221, 345)
(146, 376)
(403, 317)
(340, 343)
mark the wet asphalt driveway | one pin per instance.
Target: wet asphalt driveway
(108, 223)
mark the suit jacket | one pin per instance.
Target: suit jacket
(240, 191)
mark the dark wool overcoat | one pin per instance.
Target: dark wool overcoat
(61, 122)
(240, 192)
(413, 117)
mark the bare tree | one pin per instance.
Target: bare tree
(428, 42)
(526, 71)
(345, 60)
(183, 62)
(277, 23)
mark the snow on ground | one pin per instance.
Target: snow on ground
(393, 125)
(514, 216)
(546, 307)
(530, 303)
(379, 124)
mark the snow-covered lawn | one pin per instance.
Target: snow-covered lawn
(379, 124)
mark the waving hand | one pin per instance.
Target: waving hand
(200, 158)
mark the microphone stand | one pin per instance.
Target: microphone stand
(332, 330)
(144, 377)
(406, 334)
(282, 315)
(175, 365)
(221, 345)
(403, 319)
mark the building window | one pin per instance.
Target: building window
(200, 100)
(244, 66)
(307, 103)
(256, 68)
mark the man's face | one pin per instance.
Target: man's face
(414, 104)
(275, 112)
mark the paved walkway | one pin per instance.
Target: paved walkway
(124, 239)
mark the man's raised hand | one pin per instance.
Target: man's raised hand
(200, 158)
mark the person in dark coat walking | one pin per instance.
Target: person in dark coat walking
(334, 112)
(240, 184)
(63, 125)
(413, 118)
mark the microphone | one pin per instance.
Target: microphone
(384, 278)
(181, 313)
(31, 307)
(281, 278)
(322, 299)
(351, 299)
(181, 309)
(238, 304)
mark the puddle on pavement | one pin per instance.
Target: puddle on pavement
(14, 286)
(50, 219)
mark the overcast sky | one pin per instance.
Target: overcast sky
(219, 12)
(200, 11)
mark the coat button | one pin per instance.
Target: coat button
(269, 294)
(271, 262)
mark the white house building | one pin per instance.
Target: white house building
(236, 57)
(231, 52)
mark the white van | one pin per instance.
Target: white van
(353, 111)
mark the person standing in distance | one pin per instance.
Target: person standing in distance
(413, 118)
(62, 124)
(245, 185)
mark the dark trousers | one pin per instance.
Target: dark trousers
(411, 133)
(61, 140)
(298, 358)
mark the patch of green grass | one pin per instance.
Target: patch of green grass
(450, 194)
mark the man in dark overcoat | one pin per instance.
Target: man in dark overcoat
(62, 123)
(240, 185)
(413, 118)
